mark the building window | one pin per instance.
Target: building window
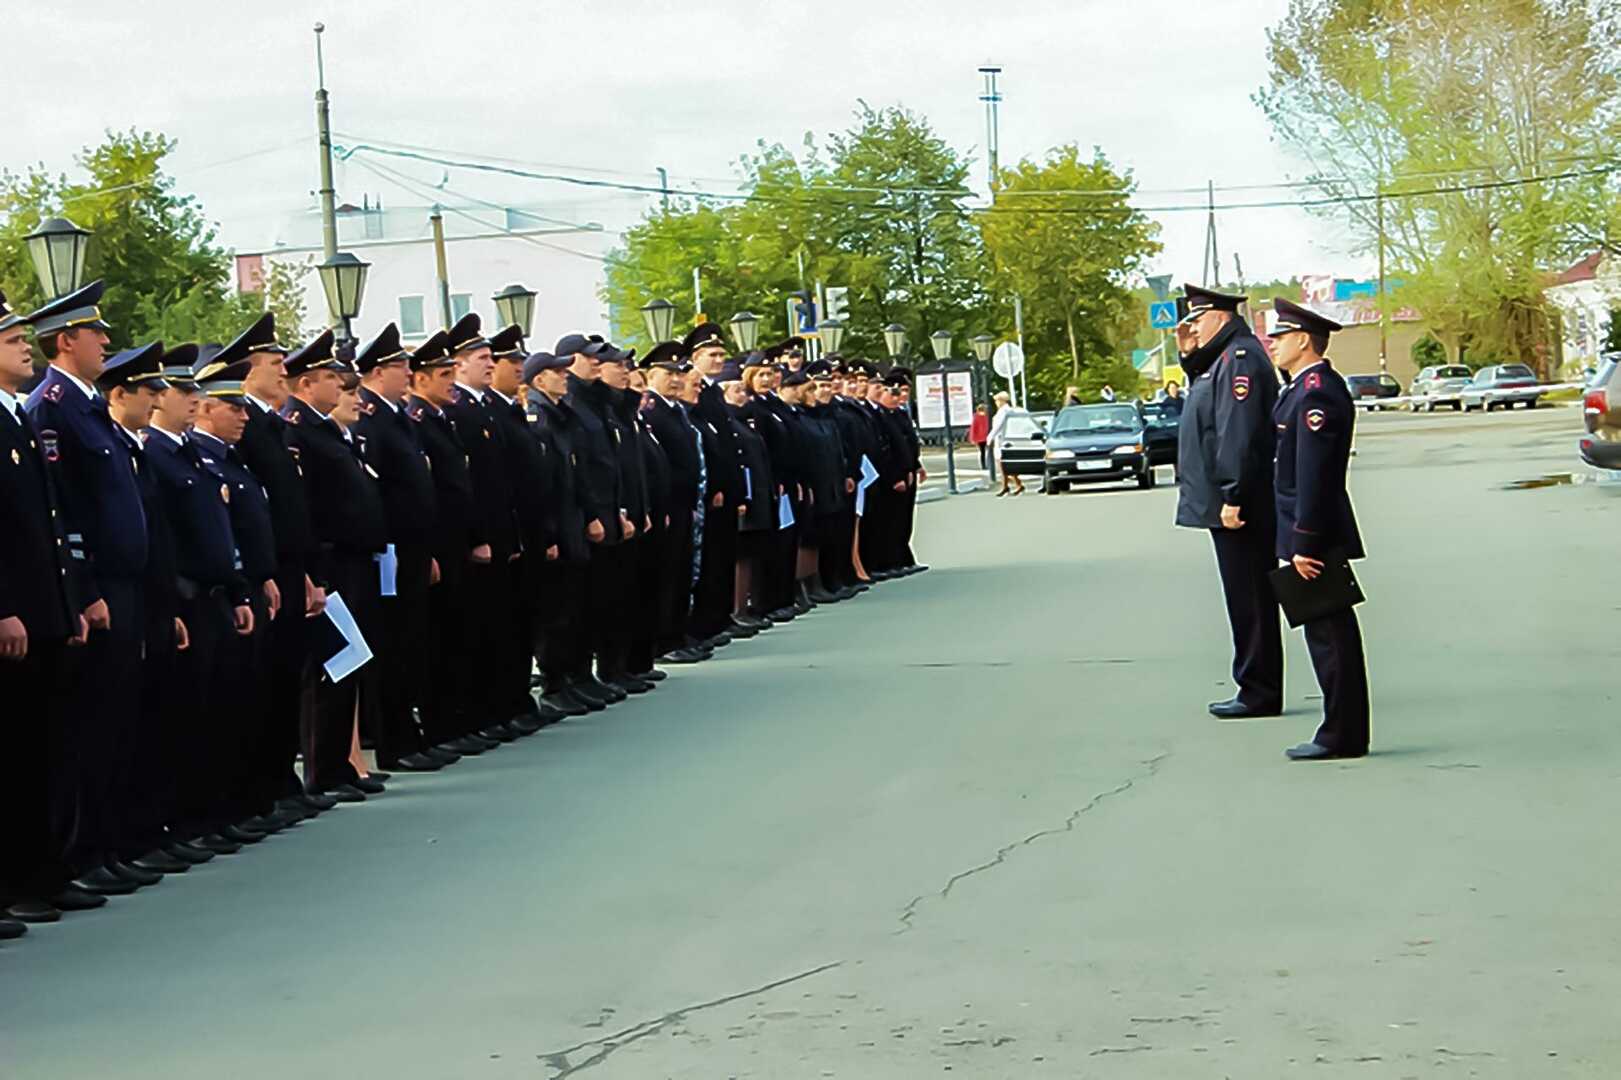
(460, 304)
(411, 316)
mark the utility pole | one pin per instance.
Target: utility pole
(440, 267)
(1212, 256)
(323, 126)
(1018, 332)
(1384, 358)
(664, 189)
(992, 98)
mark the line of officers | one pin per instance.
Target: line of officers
(518, 537)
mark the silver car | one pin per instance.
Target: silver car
(1502, 386)
(1439, 384)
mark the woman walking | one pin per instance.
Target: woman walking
(998, 435)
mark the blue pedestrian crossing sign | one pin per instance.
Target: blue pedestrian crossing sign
(1162, 314)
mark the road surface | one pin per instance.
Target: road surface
(975, 822)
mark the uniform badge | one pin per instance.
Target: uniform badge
(53, 393)
(1241, 387)
(1315, 419)
(225, 494)
(1313, 380)
(16, 458)
(292, 418)
(367, 407)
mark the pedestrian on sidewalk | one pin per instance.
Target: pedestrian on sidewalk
(979, 433)
(998, 435)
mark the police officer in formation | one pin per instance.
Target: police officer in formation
(196, 531)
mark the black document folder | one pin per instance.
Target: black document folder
(1329, 593)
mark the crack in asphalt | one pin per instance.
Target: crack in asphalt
(558, 1059)
(1151, 766)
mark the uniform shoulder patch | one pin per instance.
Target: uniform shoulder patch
(1241, 387)
(456, 394)
(53, 393)
(293, 417)
(1315, 419)
(368, 408)
(1313, 380)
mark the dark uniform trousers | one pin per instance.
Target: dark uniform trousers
(445, 715)
(647, 598)
(1245, 557)
(485, 613)
(105, 724)
(220, 721)
(1335, 644)
(402, 654)
(608, 593)
(673, 562)
(562, 646)
(513, 657)
(152, 796)
(287, 675)
(37, 800)
(332, 707)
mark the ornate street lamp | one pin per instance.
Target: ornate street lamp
(515, 306)
(659, 316)
(940, 342)
(745, 330)
(832, 334)
(895, 339)
(343, 278)
(57, 248)
(984, 345)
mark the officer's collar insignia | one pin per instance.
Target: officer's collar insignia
(367, 407)
(1314, 419)
(16, 458)
(456, 394)
(1241, 387)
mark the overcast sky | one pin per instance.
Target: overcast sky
(615, 89)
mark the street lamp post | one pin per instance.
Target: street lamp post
(515, 306)
(894, 339)
(659, 317)
(343, 278)
(831, 333)
(57, 248)
(940, 342)
(745, 331)
(984, 345)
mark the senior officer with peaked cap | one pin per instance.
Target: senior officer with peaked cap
(1225, 485)
(1315, 418)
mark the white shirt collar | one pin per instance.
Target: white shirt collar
(179, 440)
(477, 395)
(88, 390)
(1296, 376)
(503, 397)
(199, 433)
(12, 403)
(261, 405)
(392, 405)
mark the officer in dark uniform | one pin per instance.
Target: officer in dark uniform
(351, 530)
(240, 685)
(855, 429)
(619, 409)
(39, 618)
(1315, 418)
(1224, 461)
(266, 450)
(756, 532)
(497, 544)
(105, 523)
(834, 484)
(388, 443)
(447, 722)
(665, 417)
(651, 567)
(884, 496)
(906, 425)
(712, 599)
(563, 624)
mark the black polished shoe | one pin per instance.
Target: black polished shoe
(241, 834)
(295, 810)
(651, 675)
(159, 861)
(1310, 751)
(280, 818)
(1235, 709)
(821, 596)
(131, 872)
(561, 701)
(37, 911)
(741, 629)
(498, 733)
(683, 655)
(346, 793)
(319, 803)
(380, 776)
(103, 882)
(10, 929)
(630, 684)
(367, 785)
(466, 746)
(416, 763)
(77, 898)
(442, 755)
(606, 693)
(189, 851)
(803, 606)
(219, 845)
(549, 716)
(525, 725)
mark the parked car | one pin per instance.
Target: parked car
(1439, 384)
(1601, 413)
(1162, 422)
(1090, 444)
(1501, 385)
(1023, 445)
(1368, 390)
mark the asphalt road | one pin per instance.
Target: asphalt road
(974, 822)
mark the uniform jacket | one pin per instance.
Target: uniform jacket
(196, 503)
(596, 462)
(269, 456)
(553, 425)
(526, 468)
(655, 464)
(678, 440)
(487, 463)
(891, 461)
(619, 407)
(161, 591)
(724, 468)
(38, 579)
(766, 412)
(455, 527)
(826, 450)
(345, 498)
(856, 432)
(1315, 419)
(761, 485)
(249, 505)
(95, 479)
(389, 444)
(1225, 442)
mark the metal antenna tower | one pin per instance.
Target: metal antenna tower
(992, 98)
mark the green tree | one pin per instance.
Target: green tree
(154, 247)
(1449, 116)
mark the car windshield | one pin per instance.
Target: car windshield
(1452, 373)
(1083, 419)
(1515, 371)
(1020, 427)
(1362, 380)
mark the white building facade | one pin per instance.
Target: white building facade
(485, 251)
(1587, 295)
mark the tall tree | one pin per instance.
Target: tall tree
(1478, 132)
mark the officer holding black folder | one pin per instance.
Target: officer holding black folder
(1315, 418)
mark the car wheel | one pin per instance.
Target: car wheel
(1531, 404)
(1457, 406)
(1145, 480)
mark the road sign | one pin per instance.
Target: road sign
(1161, 284)
(1008, 360)
(1162, 314)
